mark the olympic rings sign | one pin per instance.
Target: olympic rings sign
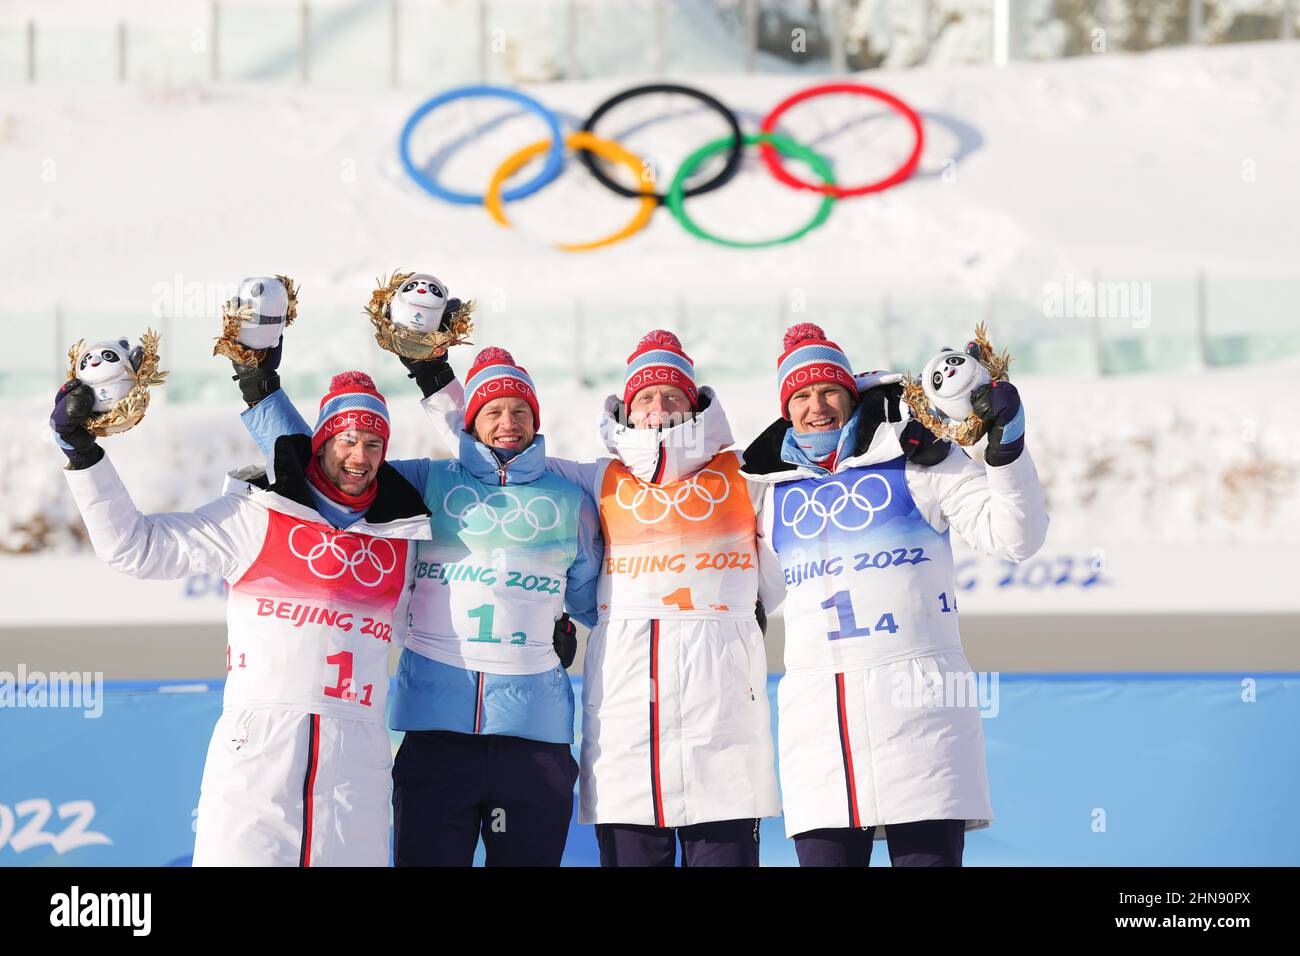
(589, 146)
(365, 560)
(662, 504)
(518, 521)
(813, 512)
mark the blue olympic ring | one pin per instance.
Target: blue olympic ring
(554, 157)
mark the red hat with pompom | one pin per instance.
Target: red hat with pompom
(659, 360)
(493, 375)
(809, 358)
(351, 402)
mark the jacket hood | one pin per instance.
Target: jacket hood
(663, 456)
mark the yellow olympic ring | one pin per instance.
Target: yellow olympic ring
(603, 148)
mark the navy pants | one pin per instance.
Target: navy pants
(722, 843)
(451, 788)
(926, 843)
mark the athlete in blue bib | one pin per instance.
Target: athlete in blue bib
(878, 720)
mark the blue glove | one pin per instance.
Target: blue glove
(73, 404)
(998, 406)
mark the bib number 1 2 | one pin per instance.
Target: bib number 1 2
(484, 614)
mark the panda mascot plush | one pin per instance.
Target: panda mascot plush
(949, 378)
(109, 368)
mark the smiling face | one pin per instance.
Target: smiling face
(821, 407)
(658, 406)
(351, 459)
(418, 303)
(505, 423)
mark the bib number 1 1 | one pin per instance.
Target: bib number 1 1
(841, 602)
(484, 614)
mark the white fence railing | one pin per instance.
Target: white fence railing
(1082, 326)
(365, 44)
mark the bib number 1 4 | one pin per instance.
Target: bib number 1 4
(841, 602)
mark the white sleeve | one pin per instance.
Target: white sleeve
(222, 536)
(446, 409)
(1000, 511)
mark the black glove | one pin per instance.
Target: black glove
(921, 445)
(998, 405)
(565, 640)
(432, 375)
(760, 615)
(258, 381)
(73, 404)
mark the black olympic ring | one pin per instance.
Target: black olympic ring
(729, 169)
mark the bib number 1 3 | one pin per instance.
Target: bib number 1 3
(841, 602)
(484, 614)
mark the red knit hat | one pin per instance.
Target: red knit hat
(351, 402)
(493, 375)
(809, 357)
(659, 360)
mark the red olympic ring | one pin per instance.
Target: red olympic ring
(773, 159)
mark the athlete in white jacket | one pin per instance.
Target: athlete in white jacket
(298, 770)
(878, 721)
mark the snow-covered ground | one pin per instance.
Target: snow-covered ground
(119, 200)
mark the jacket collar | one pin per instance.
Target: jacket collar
(673, 454)
(525, 468)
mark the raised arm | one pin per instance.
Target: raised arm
(223, 536)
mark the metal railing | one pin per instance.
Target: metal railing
(427, 43)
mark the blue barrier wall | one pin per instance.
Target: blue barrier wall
(1085, 770)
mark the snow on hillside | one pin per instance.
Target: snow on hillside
(1138, 166)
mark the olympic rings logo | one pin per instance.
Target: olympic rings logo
(772, 147)
(825, 507)
(663, 504)
(363, 561)
(518, 521)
